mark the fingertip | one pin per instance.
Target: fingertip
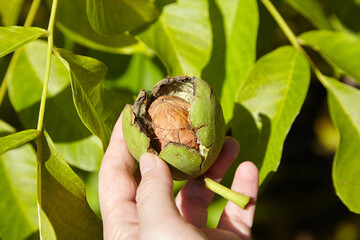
(235, 219)
(150, 161)
(233, 144)
(117, 130)
(248, 171)
(147, 162)
(154, 195)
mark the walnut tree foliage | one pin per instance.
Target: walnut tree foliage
(99, 54)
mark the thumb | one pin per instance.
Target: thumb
(158, 216)
(154, 196)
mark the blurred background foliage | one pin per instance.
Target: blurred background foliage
(298, 201)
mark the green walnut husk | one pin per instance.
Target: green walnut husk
(205, 118)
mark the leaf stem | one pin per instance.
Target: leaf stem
(28, 22)
(48, 64)
(292, 38)
(32, 13)
(40, 126)
(237, 198)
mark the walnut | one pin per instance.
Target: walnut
(170, 123)
(181, 120)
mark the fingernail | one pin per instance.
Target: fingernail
(147, 162)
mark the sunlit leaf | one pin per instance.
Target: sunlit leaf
(117, 16)
(181, 37)
(215, 211)
(72, 139)
(62, 198)
(312, 10)
(18, 190)
(341, 49)
(233, 58)
(97, 107)
(9, 11)
(267, 105)
(12, 38)
(72, 20)
(345, 113)
(15, 140)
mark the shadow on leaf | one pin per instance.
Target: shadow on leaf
(253, 136)
(61, 119)
(62, 197)
(214, 71)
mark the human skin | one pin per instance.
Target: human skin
(141, 205)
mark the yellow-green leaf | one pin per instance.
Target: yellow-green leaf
(62, 198)
(15, 140)
(14, 37)
(18, 208)
(10, 11)
(267, 105)
(345, 113)
(235, 26)
(76, 143)
(341, 49)
(72, 20)
(181, 37)
(118, 16)
(98, 107)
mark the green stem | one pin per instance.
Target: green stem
(32, 13)
(292, 38)
(237, 198)
(28, 22)
(39, 156)
(48, 64)
(43, 99)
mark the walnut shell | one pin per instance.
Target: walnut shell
(181, 120)
(170, 123)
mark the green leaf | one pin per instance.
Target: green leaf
(142, 73)
(181, 37)
(267, 105)
(46, 231)
(16, 139)
(345, 113)
(97, 107)
(12, 38)
(72, 20)
(117, 16)
(341, 49)
(18, 206)
(92, 192)
(240, 23)
(72, 139)
(312, 10)
(62, 198)
(9, 11)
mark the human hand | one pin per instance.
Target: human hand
(146, 209)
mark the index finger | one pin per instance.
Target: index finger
(117, 186)
(235, 219)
